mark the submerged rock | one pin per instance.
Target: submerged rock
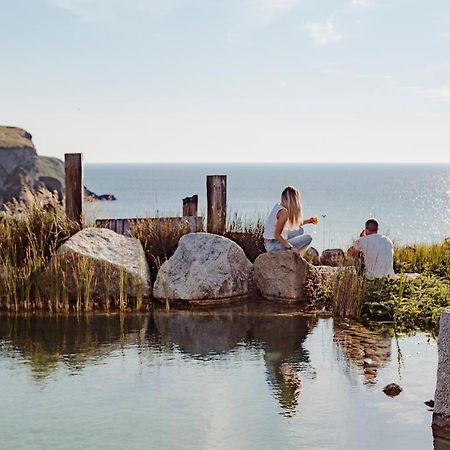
(109, 262)
(392, 390)
(281, 275)
(333, 257)
(204, 267)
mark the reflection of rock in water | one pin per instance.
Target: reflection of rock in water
(45, 341)
(368, 349)
(200, 333)
(282, 337)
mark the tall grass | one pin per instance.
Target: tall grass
(29, 236)
(431, 259)
(159, 238)
(248, 234)
(33, 276)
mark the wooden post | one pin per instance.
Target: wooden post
(74, 186)
(216, 193)
(190, 206)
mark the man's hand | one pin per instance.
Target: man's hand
(363, 233)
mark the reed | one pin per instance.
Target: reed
(30, 234)
(248, 234)
(348, 293)
(159, 238)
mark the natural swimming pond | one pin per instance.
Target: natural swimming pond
(240, 378)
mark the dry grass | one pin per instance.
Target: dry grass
(248, 234)
(159, 238)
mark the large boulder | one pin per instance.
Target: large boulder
(205, 268)
(441, 415)
(115, 263)
(333, 257)
(282, 275)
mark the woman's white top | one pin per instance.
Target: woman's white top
(271, 222)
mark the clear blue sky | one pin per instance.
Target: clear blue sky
(229, 80)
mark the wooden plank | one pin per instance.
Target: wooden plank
(74, 186)
(216, 193)
(190, 206)
(123, 226)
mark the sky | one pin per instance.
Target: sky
(229, 80)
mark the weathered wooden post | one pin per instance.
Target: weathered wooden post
(216, 193)
(74, 186)
(190, 206)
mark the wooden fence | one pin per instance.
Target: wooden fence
(216, 193)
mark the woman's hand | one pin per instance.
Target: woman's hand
(312, 220)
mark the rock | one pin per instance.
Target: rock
(89, 195)
(312, 256)
(205, 267)
(18, 162)
(392, 390)
(429, 403)
(281, 275)
(441, 415)
(53, 185)
(333, 257)
(116, 261)
(368, 363)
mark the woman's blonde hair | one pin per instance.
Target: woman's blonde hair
(290, 199)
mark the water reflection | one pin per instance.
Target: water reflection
(227, 378)
(278, 335)
(44, 342)
(366, 349)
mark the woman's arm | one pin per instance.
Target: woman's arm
(282, 218)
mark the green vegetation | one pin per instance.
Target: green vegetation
(408, 302)
(51, 167)
(11, 137)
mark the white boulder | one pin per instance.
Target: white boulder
(204, 267)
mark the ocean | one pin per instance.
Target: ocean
(411, 201)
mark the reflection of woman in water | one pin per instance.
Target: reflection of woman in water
(282, 338)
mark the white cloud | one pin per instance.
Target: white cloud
(361, 3)
(440, 93)
(324, 33)
(445, 35)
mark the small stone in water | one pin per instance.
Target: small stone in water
(430, 403)
(392, 390)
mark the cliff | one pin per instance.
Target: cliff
(18, 163)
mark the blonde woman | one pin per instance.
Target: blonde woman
(283, 228)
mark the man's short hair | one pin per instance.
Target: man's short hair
(372, 225)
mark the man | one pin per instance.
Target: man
(378, 251)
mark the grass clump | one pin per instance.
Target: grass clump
(29, 236)
(432, 260)
(409, 303)
(248, 234)
(159, 238)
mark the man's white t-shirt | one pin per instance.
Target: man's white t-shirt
(378, 253)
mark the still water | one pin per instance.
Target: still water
(239, 378)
